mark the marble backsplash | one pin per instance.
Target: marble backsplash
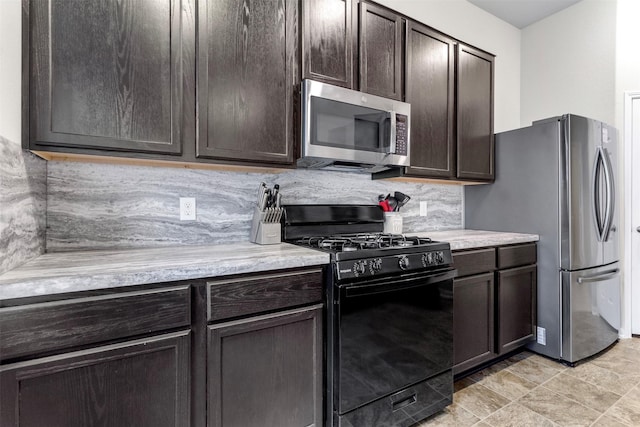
(91, 206)
(22, 205)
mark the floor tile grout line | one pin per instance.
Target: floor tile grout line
(470, 411)
(600, 386)
(617, 401)
(544, 388)
(482, 419)
(508, 368)
(513, 402)
(581, 404)
(507, 397)
(616, 418)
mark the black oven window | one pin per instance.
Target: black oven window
(342, 125)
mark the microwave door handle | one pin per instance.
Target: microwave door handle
(392, 145)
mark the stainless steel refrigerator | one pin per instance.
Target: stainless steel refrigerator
(557, 178)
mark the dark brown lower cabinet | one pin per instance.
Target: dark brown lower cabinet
(147, 356)
(138, 383)
(516, 307)
(266, 370)
(473, 321)
(494, 303)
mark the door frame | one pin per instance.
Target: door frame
(631, 293)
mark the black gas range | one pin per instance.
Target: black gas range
(364, 255)
(389, 302)
(353, 235)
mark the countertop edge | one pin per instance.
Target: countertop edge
(475, 239)
(269, 258)
(74, 281)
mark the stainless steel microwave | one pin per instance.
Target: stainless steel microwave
(346, 129)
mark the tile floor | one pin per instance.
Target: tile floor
(531, 390)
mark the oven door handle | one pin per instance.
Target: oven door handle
(393, 285)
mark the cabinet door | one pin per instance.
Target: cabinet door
(142, 383)
(327, 41)
(516, 307)
(473, 321)
(109, 74)
(266, 370)
(475, 114)
(246, 77)
(430, 91)
(381, 61)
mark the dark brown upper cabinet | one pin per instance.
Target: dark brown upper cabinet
(381, 61)
(475, 74)
(126, 80)
(430, 80)
(247, 53)
(450, 88)
(327, 41)
(107, 75)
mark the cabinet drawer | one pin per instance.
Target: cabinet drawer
(50, 326)
(514, 256)
(474, 262)
(241, 297)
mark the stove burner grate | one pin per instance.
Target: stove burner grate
(355, 242)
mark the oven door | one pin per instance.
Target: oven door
(391, 333)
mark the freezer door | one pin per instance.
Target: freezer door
(609, 188)
(590, 311)
(581, 237)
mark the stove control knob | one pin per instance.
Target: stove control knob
(427, 259)
(439, 257)
(403, 262)
(375, 265)
(359, 267)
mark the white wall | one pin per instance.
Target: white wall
(568, 63)
(10, 69)
(628, 55)
(22, 175)
(472, 25)
(627, 79)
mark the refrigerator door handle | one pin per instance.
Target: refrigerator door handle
(611, 191)
(605, 275)
(595, 182)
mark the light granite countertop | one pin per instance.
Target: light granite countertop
(62, 272)
(471, 239)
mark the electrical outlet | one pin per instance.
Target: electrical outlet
(423, 208)
(187, 208)
(542, 335)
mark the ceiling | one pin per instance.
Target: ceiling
(521, 13)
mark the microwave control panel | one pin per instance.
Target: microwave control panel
(401, 134)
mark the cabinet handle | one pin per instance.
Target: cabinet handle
(405, 402)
